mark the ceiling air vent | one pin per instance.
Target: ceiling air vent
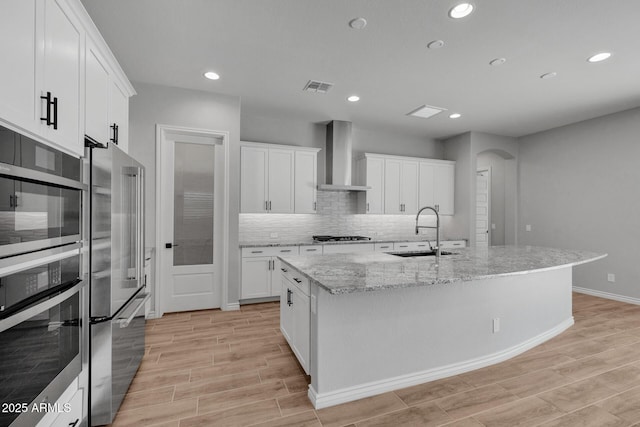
(426, 111)
(317, 86)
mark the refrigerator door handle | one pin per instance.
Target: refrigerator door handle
(123, 323)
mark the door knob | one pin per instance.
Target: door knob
(170, 245)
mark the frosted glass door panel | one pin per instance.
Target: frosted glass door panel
(193, 204)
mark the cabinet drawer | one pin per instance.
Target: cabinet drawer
(453, 244)
(346, 248)
(311, 250)
(269, 251)
(383, 247)
(411, 246)
(295, 278)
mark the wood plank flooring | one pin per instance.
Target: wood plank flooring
(214, 368)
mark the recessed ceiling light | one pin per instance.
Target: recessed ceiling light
(599, 57)
(455, 116)
(436, 44)
(549, 75)
(358, 23)
(497, 61)
(211, 75)
(461, 10)
(353, 98)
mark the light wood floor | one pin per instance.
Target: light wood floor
(214, 368)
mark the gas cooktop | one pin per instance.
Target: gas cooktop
(339, 238)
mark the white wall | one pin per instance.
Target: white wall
(187, 108)
(579, 189)
(458, 148)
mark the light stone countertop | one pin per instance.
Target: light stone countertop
(311, 242)
(371, 271)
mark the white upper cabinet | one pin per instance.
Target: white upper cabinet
(17, 74)
(59, 90)
(277, 179)
(280, 193)
(97, 88)
(54, 85)
(444, 180)
(370, 170)
(400, 186)
(437, 181)
(253, 179)
(119, 117)
(305, 181)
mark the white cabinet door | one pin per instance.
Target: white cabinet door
(346, 248)
(256, 277)
(305, 181)
(61, 77)
(426, 195)
(253, 179)
(119, 117)
(392, 180)
(97, 86)
(375, 179)
(17, 73)
(301, 324)
(75, 412)
(444, 188)
(286, 311)
(281, 169)
(409, 187)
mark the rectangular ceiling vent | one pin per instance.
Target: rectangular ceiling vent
(426, 111)
(317, 86)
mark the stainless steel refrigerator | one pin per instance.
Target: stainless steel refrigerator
(117, 288)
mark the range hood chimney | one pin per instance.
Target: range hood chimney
(338, 158)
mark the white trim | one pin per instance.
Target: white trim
(161, 134)
(282, 146)
(607, 295)
(418, 159)
(231, 306)
(349, 394)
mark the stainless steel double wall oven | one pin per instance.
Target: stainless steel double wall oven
(43, 297)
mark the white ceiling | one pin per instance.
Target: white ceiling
(266, 50)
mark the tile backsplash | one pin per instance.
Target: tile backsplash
(336, 215)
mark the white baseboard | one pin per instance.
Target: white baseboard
(361, 391)
(230, 306)
(607, 295)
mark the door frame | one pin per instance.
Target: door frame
(488, 170)
(162, 135)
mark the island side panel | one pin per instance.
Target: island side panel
(365, 343)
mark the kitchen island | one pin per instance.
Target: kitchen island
(376, 322)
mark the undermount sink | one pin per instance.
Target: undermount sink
(418, 253)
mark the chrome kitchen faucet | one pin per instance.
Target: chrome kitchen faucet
(437, 227)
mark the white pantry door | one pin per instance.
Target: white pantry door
(483, 182)
(190, 220)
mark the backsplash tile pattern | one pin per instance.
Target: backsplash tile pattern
(336, 216)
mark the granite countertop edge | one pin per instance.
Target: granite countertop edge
(350, 242)
(437, 281)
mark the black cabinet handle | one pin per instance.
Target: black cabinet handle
(117, 134)
(297, 280)
(74, 423)
(55, 113)
(289, 301)
(284, 270)
(47, 117)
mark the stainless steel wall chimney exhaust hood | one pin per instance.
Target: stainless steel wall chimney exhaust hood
(338, 158)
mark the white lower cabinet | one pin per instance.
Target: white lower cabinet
(412, 246)
(69, 409)
(261, 271)
(346, 248)
(295, 315)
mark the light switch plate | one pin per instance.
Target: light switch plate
(273, 235)
(528, 227)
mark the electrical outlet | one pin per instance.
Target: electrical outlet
(493, 226)
(528, 227)
(496, 325)
(273, 235)
(611, 277)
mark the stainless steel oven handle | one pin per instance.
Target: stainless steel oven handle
(125, 322)
(19, 263)
(21, 316)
